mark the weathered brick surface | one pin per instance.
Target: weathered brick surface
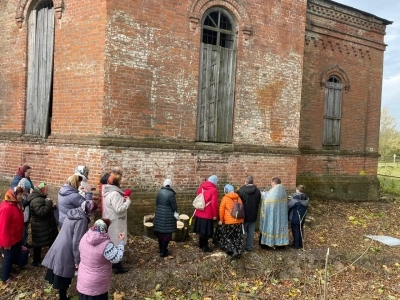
(353, 43)
(126, 85)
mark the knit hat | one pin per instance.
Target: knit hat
(213, 179)
(167, 182)
(25, 184)
(82, 171)
(100, 226)
(89, 207)
(104, 179)
(228, 189)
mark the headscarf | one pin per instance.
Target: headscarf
(73, 181)
(11, 194)
(21, 171)
(167, 182)
(25, 184)
(40, 187)
(100, 226)
(89, 207)
(228, 189)
(213, 179)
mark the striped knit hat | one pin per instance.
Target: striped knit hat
(100, 226)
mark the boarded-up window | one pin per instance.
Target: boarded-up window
(40, 69)
(217, 77)
(332, 112)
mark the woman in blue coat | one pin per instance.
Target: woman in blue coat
(164, 219)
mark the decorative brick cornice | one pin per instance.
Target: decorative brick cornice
(22, 5)
(347, 17)
(337, 45)
(199, 7)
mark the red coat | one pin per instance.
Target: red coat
(210, 194)
(11, 223)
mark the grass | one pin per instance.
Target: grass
(389, 177)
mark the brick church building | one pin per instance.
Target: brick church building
(183, 89)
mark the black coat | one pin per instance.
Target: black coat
(251, 197)
(164, 220)
(43, 224)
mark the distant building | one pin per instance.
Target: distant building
(186, 89)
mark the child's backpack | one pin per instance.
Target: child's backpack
(237, 210)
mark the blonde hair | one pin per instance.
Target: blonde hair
(74, 181)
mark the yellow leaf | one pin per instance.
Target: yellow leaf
(254, 288)
(351, 218)
(380, 291)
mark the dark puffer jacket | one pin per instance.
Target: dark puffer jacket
(164, 220)
(251, 197)
(43, 224)
(298, 208)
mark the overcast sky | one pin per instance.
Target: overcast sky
(389, 10)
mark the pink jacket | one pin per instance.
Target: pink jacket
(94, 273)
(210, 194)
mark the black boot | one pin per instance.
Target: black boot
(201, 242)
(119, 269)
(205, 246)
(160, 246)
(165, 252)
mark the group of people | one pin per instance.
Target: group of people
(74, 248)
(235, 234)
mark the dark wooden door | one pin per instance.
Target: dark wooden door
(215, 111)
(40, 69)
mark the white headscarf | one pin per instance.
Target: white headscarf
(167, 182)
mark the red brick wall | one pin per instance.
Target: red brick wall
(126, 83)
(353, 42)
(152, 67)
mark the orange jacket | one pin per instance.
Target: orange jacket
(226, 207)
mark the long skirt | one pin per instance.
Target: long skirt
(203, 227)
(231, 238)
(58, 282)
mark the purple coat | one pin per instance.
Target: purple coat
(94, 273)
(69, 198)
(64, 253)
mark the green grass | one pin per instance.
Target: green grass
(387, 177)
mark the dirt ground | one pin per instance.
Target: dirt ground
(357, 267)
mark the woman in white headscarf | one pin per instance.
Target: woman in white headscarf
(164, 219)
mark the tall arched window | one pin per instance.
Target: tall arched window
(332, 112)
(40, 69)
(217, 77)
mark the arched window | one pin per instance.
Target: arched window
(40, 69)
(217, 77)
(332, 112)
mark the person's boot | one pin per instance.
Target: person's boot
(201, 243)
(165, 252)
(160, 246)
(205, 246)
(119, 269)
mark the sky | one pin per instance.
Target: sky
(389, 10)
